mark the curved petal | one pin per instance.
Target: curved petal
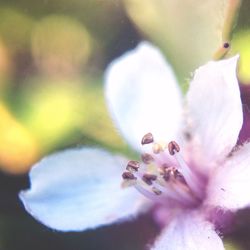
(189, 232)
(79, 189)
(143, 95)
(215, 108)
(229, 184)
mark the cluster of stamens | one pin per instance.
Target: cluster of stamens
(155, 178)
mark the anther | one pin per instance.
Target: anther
(157, 148)
(147, 158)
(149, 178)
(147, 139)
(133, 166)
(179, 177)
(156, 191)
(166, 176)
(128, 176)
(173, 147)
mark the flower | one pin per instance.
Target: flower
(191, 171)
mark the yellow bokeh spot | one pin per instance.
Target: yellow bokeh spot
(241, 45)
(18, 149)
(52, 111)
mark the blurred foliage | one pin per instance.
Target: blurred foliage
(188, 31)
(241, 45)
(50, 78)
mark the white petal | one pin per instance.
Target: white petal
(229, 184)
(189, 232)
(79, 189)
(215, 108)
(143, 95)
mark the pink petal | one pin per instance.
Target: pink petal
(229, 184)
(78, 189)
(143, 95)
(189, 232)
(215, 109)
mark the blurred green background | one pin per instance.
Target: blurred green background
(53, 54)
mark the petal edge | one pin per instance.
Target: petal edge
(71, 190)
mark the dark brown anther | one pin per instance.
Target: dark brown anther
(173, 147)
(149, 178)
(166, 176)
(178, 176)
(226, 45)
(147, 158)
(133, 166)
(147, 139)
(176, 173)
(128, 176)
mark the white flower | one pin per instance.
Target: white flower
(78, 189)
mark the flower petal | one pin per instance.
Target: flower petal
(189, 232)
(215, 108)
(79, 189)
(143, 95)
(229, 184)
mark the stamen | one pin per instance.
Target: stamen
(128, 176)
(147, 139)
(147, 158)
(175, 191)
(156, 191)
(179, 177)
(166, 176)
(160, 181)
(133, 166)
(149, 178)
(173, 147)
(189, 177)
(149, 195)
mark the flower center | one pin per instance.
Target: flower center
(163, 175)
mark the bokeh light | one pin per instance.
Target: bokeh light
(18, 148)
(241, 45)
(60, 45)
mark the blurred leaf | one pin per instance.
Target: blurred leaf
(241, 45)
(188, 31)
